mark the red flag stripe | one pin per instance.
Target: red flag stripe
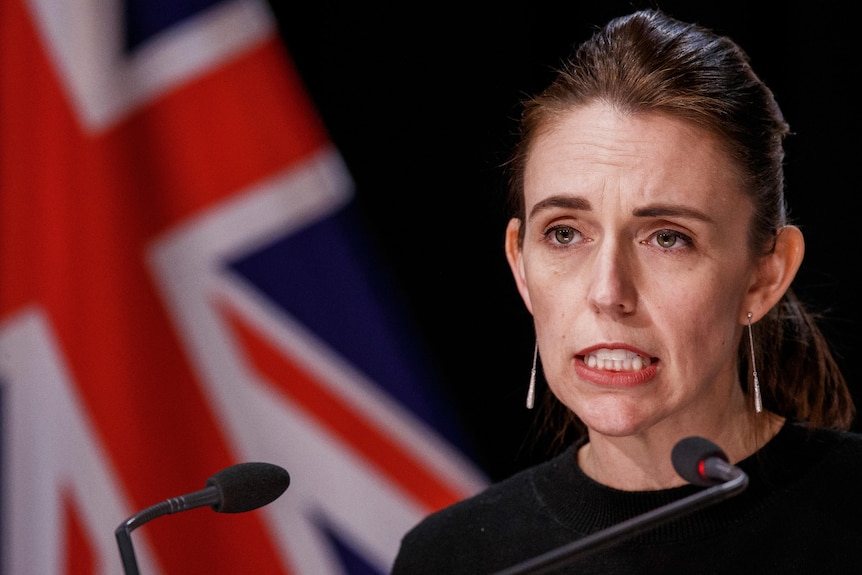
(330, 410)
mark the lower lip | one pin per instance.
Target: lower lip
(609, 378)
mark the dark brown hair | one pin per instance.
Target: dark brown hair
(648, 61)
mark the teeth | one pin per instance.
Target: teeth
(616, 360)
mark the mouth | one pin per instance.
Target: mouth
(616, 360)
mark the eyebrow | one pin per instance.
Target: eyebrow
(649, 211)
(570, 202)
(660, 210)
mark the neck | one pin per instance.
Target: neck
(642, 462)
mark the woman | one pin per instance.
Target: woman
(651, 245)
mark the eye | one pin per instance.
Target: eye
(563, 235)
(670, 239)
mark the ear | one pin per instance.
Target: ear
(775, 273)
(515, 257)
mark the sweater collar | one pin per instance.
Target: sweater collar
(584, 505)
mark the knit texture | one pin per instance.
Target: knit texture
(801, 513)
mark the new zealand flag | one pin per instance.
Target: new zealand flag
(184, 285)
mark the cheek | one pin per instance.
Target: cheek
(689, 310)
(714, 290)
(554, 303)
(702, 324)
(555, 314)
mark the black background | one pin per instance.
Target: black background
(420, 102)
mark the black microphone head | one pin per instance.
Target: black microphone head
(688, 456)
(246, 486)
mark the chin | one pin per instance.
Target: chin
(616, 420)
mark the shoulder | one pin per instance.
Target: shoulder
(819, 481)
(515, 491)
(821, 454)
(474, 513)
(827, 440)
(467, 534)
(839, 444)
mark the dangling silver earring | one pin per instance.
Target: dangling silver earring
(531, 390)
(758, 401)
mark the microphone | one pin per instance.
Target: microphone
(697, 460)
(701, 462)
(235, 489)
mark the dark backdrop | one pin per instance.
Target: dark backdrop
(420, 102)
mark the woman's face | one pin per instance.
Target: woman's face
(635, 266)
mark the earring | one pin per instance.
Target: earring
(758, 402)
(531, 390)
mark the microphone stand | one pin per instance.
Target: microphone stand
(638, 524)
(123, 533)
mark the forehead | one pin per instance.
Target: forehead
(595, 148)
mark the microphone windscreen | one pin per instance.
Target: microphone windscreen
(247, 486)
(688, 456)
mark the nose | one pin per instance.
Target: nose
(612, 286)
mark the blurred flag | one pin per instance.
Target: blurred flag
(184, 285)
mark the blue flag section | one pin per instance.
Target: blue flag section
(328, 277)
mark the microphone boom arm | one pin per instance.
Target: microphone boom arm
(208, 496)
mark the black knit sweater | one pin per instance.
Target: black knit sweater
(801, 513)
